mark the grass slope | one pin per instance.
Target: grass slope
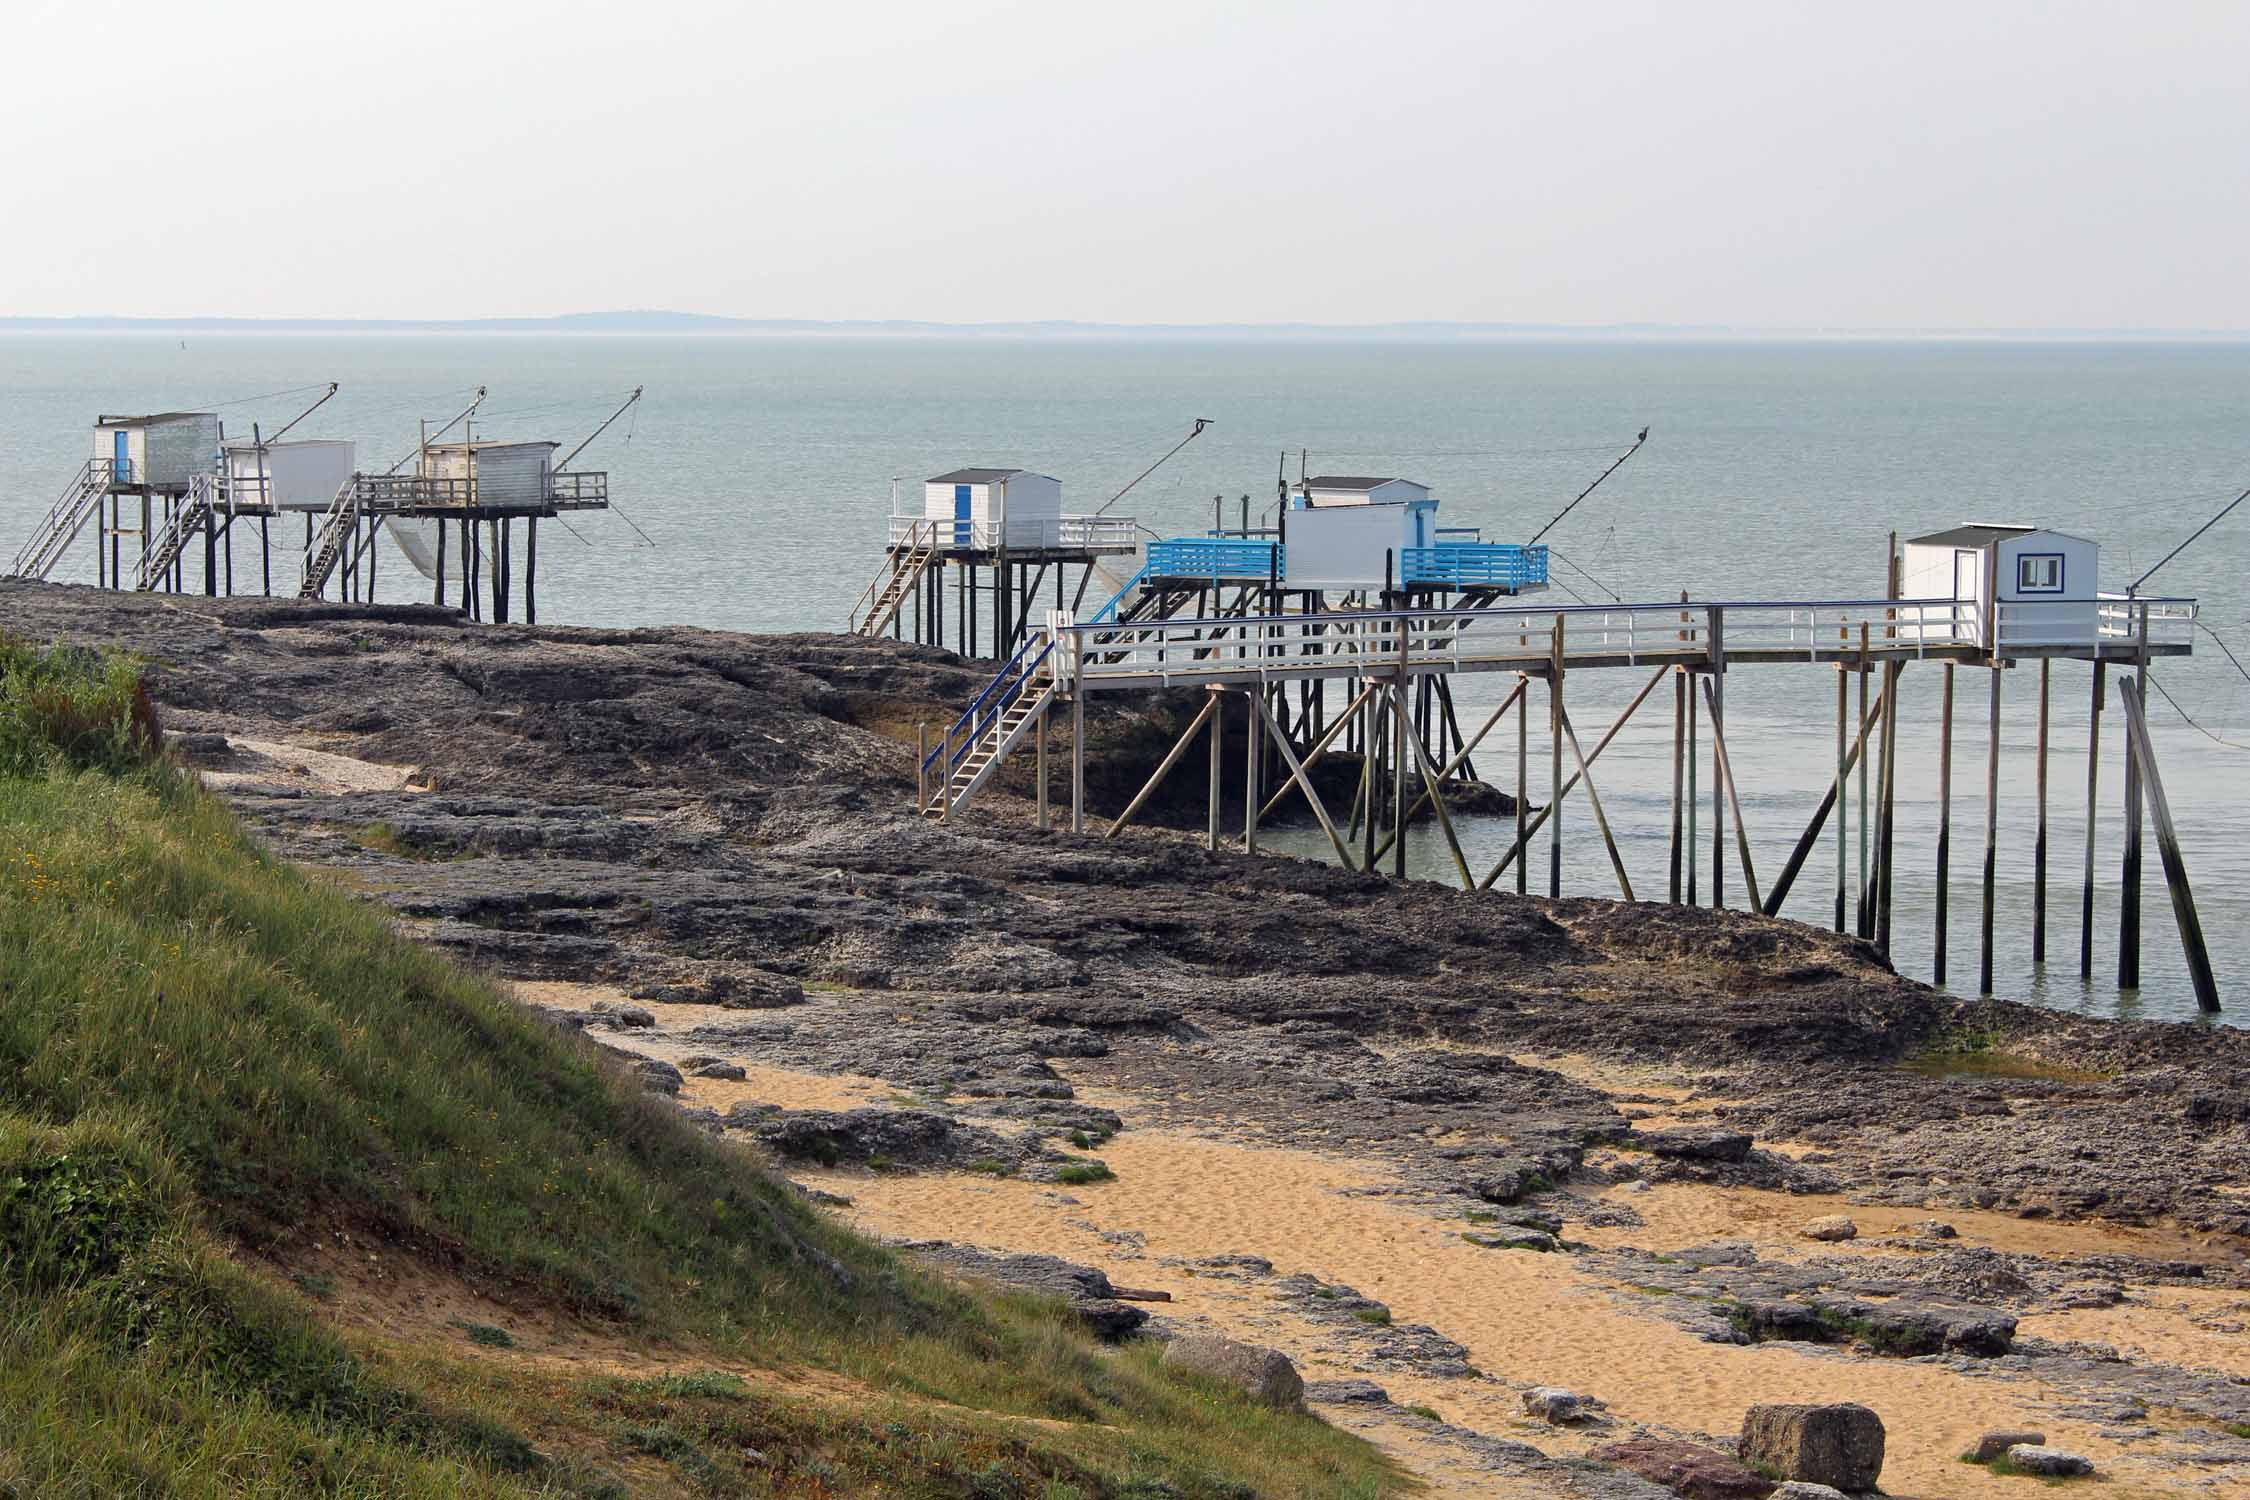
(204, 1055)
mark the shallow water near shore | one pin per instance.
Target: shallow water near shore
(759, 471)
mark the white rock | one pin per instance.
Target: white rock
(1830, 1227)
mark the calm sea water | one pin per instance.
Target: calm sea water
(760, 469)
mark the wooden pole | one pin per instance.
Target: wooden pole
(1944, 829)
(2093, 807)
(1594, 800)
(1040, 760)
(1403, 733)
(1712, 689)
(1436, 798)
(1886, 836)
(1555, 738)
(921, 765)
(1260, 712)
(1991, 835)
(1212, 792)
(1253, 753)
(531, 571)
(1077, 732)
(1679, 757)
(1841, 795)
(1805, 841)
(2039, 838)
(1523, 780)
(2129, 887)
(1694, 799)
(1866, 905)
(1714, 692)
(1163, 769)
(2140, 747)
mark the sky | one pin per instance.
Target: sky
(1979, 164)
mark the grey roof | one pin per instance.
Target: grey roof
(1355, 482)
(973, 476)
(1977, 534)
(151, 419)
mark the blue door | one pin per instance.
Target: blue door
(961, 529)
(121, 459)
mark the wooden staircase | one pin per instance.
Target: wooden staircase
(186, 524)
(981, 739)
(334, 536)
(80, 500)
(904, 564)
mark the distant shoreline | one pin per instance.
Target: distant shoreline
(695, 325)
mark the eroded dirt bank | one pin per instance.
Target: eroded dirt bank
(1438, 1147)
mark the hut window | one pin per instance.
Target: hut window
(2039, 573)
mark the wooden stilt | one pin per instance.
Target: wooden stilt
(1725, 778)
(1218, 739)
(2039, 836)
(1319, 748)
(437, 585)
(1164, 767)
(1431, 779)
(1866, 901)
(1460, 759)
(1040, 760)
(1523, 782)
(1260, 712)
(1077, 755)
(1841, 795)
(1253, 753)
(2129, 895)
(1693, 800)
(2093, 807)
(1832, 798)
(531, 571)
(921, 766)
(1886, 834)
(1554, 760)
(1594, 801)
(1714, 696)
(1679, 769)
(1991, 836)
(1944, 830)
(2143, 749)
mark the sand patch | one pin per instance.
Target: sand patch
(300, 765)
(2203, 1330)
(1677, 1216)
(1526, 1318)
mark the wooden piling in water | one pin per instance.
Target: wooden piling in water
(2039, 836)
(2093, 809)
(1842, 796)
(1554, 734)
(1218, 736)
(1523, 786)
(2141, 748)
(1885, 838)
(1693, 800)
(1679, 756)
(1715, 694)
(1944, 831)
(1253, 753)
(2129, 897)
(1991, 836)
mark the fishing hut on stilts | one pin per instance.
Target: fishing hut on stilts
(1278, 620)
(163, 488)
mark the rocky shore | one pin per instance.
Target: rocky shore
(699, 849)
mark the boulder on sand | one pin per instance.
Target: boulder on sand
(1830, 1228)
(2048, 1463)
(1995, 1443)
(1264, 1375)
(1839, 1445)
(1551, 1403)
(1695, 1144)
(1687, 1469)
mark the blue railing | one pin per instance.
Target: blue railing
(1475, 564)
(1006, 686)
(1109, 609)
(1214, 558)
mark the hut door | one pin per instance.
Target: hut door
(121, 459)
(1968, 589)
(961, 512)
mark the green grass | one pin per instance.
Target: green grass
(209, 1062)
(1079, 1173)
(1379, 1316)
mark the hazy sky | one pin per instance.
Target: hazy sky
(1968, 164)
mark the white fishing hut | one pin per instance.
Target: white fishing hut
(162, 451)
(489, 473)
(995, 508)
(302, 475)
(1343, 529)
(2017, 585)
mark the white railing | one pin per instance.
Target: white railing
(1107, 533)
(1442, 640)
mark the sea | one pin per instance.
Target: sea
(753, 480)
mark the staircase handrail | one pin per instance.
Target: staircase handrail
(66, 514)
(1110, 607)
(897, 554)
(1008, 678)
